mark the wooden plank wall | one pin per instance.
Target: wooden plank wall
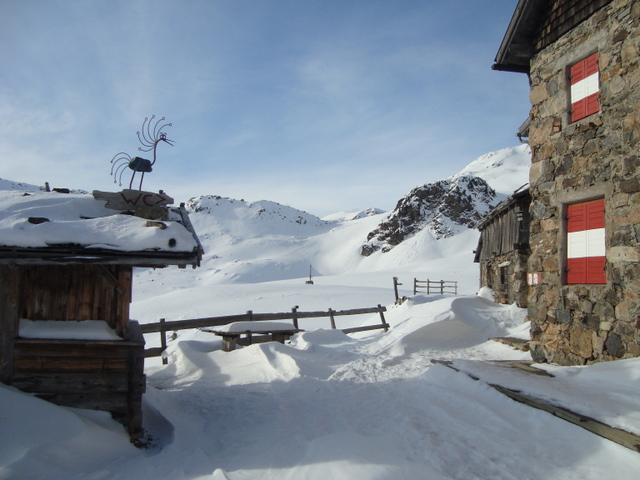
(500, 235)
(9, 288)
(99, 375)
(77, 292)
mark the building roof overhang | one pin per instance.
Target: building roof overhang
(516, 48)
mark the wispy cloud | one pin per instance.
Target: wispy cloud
(262, 95)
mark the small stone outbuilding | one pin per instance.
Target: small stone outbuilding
(582, 58)
(503, 249)
(65, 287)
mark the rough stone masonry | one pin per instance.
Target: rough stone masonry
(596, 157)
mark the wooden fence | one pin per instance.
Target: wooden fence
(294, 315)
(434, 286)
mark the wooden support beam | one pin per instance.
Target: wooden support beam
(617, 435)
(9, 313)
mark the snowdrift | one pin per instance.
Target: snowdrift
(330, 404)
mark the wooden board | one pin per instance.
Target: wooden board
(132, 199)
(617, 435)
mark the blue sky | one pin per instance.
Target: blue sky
(322, 105)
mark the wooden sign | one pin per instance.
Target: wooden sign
(133, 199)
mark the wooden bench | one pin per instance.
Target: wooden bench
(270, 331)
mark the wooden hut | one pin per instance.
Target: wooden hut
(66, 265)
(503, 249)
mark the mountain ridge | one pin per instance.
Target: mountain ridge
(448, 207)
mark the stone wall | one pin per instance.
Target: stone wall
(596, 157)
(506, 275)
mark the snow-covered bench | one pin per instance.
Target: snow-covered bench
(230, 333)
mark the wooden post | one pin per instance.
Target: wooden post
(441, 287)
(228, 343)
(294, 312)
(250, 318)
(395, 288)
(333, 320)
(163, 340)
(415, 286)
(384, 322)
(9, 314)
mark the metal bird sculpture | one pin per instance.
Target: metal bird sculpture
(149, 139)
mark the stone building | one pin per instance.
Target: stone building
(503, 249)
(582, 58)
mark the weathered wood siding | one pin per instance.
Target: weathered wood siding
(501, 232)
(99, 375)
(76, 292)
(9, 288)
(563, 15)
(503, 250)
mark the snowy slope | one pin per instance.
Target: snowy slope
(25, 187)
(265, 241)
(505, 170)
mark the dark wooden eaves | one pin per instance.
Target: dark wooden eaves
(73, 255)
(535, 25)
(516, 48)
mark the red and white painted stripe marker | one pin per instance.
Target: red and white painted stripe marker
(585, 88)
(586, 243)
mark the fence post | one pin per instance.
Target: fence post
(294, 312)
(163, 340)
(456, 287)
(428, 286)
(384, 322)
(395, 288)
(441, 287)
(333, 320)
(415, 286)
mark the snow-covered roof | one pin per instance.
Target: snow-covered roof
(51, 227)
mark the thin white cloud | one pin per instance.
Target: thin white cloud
(341, 92)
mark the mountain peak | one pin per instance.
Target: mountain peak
(450, 206)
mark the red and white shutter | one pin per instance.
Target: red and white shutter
(586, 243)
(585, 88)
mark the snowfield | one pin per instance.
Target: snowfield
(328, 405)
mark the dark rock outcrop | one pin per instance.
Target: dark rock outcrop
(445, 207)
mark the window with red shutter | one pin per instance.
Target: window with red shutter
(586, 243)
(585, 88)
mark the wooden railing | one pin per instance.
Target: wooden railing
(164, 326)
(434, 286)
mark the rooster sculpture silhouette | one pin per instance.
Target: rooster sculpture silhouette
(149, 138)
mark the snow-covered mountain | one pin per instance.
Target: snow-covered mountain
(10, 185)
(266, 241)
(449, 207)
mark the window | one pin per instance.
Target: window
(585, 88)
(586, 243)
(504, 276)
